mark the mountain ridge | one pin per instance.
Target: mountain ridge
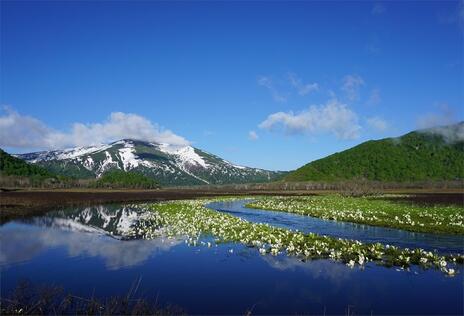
(168, 164)
(428, 154)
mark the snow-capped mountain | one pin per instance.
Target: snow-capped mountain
(168, 164)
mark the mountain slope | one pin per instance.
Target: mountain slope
(13, 166)
(169, 165)
(432, 154)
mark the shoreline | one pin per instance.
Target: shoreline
(21, 203)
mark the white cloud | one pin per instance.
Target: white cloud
(374, 97)
(442, 122)
(451, 134)
(378, 8)
(377, 123)
(22, 131)
(351, 85)
(267, 82)
(252, 135)
(444, 116)
(17, 130)
(302, 88)
(333, 117)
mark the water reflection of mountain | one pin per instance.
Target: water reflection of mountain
(82, 231)
(115, 220)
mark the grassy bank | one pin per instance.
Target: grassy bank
(190, 218)
(447, 219)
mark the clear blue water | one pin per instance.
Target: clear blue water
(82, 250)
(365, 233)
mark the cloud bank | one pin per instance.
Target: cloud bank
(444, 116)
(451, 134)
(333, 117)
(21, 131)
(436, 123)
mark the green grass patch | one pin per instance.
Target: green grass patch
(371, 211)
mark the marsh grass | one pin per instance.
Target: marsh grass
(376, 211)
(192, 220)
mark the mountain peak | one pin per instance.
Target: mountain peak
(166, 163)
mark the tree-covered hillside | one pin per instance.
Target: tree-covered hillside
(122, 179)
(12, 166)
(434, 154)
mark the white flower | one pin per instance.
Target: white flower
(361, 259)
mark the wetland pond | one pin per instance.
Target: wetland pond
(84, 250)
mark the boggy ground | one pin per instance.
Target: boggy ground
(19, 203)
(445, 198)
(433, 213)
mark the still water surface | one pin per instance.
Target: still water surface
(83, 250)
(365, 233)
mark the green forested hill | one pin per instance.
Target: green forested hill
(122, 179)
(38, 176)
(13, 166)
(434, 154)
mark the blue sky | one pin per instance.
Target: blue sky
(265, 84)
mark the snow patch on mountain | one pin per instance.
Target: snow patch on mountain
(72, 153)
(184, 155)
(107, 164)
(88, 163)
(128, 158)
(187, 155)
